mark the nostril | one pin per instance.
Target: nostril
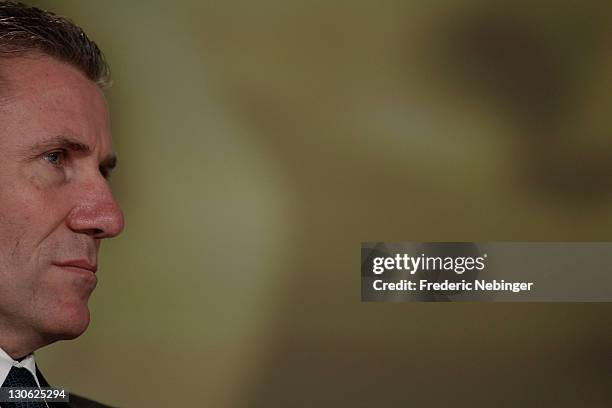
(101, 217)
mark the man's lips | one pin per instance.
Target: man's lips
(78, 263)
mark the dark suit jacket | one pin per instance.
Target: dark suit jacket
(75, 400)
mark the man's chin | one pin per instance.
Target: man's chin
(68, 324)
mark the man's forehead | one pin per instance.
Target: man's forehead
(36, 65)
(38, 77)
(55, 102)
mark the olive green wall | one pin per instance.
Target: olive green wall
(260, 142)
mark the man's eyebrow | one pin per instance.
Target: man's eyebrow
(70, 143)
(60, 142)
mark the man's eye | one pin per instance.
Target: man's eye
(56, 158)
(105, 172)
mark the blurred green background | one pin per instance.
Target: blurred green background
(261, 142)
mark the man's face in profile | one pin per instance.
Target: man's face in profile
(55, 203)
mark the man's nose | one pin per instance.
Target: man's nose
(97, 213)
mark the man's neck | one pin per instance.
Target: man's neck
(16, 355)
(18, 345)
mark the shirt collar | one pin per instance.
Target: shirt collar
(6, 362)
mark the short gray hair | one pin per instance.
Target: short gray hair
(25, 29)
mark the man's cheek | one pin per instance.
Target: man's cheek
(43, 178)
(10, 239)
